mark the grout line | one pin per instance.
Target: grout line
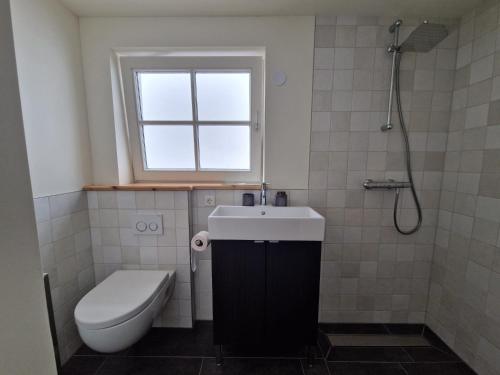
(325, 362)
(403, 368)
(387, 329)
(201, 366)
(100, 366)
(302, 367)
(407, 353)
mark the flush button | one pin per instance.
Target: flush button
(146, 224)
(141, 226)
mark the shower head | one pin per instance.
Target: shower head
(424, 38)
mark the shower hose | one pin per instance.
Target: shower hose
(406, 142)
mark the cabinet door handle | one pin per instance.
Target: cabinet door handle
(274, 241)
(258, 241)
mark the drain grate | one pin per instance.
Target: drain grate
(377, 340)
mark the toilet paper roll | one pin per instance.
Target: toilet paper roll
(200, 241)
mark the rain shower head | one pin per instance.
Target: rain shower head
(424, 38)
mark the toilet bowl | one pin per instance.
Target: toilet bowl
(121, 309)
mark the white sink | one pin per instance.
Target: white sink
(266, 223)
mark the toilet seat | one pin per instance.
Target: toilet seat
(119, 297)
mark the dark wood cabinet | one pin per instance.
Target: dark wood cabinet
(292, 291)
(238, 282)
(265, 292)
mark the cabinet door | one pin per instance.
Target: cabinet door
(292, 296)
(239, 284)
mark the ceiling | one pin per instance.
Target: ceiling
(425, 8)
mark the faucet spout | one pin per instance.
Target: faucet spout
(263, 194)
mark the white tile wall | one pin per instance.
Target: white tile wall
(115, 246)
(463, 298)
(66, 255)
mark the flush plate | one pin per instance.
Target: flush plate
(146, 224)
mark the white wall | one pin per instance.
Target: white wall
(25, 344)
(289, 43)
(47, 44)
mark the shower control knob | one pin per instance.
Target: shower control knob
(141, 226)
(153, 227)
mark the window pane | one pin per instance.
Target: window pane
(223, 96)
(224, 147)
(169, 147)
(165, 96)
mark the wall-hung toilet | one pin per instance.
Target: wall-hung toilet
(121, 309)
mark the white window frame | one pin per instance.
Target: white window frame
(130, 66)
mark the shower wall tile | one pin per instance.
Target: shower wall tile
(370, 273)
(115, 246)
(462, 305)
(66, 256)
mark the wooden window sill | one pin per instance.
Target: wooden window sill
(177, 186)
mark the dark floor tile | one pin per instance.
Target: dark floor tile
(252, 366)
(431, 354)
(150, 366)
(84, 350)
(435, 340)
(324, 344)
(354, 328)
(195, 342)
(87, 365)
(318, 367)
(274, 350)
(437, 369)
(366, 369)
(404, 329)
(368, 354)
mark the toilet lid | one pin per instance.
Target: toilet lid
(119, 297)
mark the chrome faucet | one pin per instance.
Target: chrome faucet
(263, 194)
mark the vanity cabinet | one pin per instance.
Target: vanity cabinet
(265, 292)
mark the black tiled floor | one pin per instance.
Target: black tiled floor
(82, 365)
(348, 328)
(276, 351)
(150, 366)
(256, 366)
(186, 352)
(176, 342)
(435, 340)
(430, 354)
(405, 329)
(437, 369)
(366, 369)
(369, 354)
(319, 367)
(86, 351)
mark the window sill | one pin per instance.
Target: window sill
(177, 186)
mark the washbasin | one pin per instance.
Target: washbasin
(266, 223)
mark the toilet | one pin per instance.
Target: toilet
(121, 309)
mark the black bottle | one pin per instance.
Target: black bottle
(281, 199)
(248, 199)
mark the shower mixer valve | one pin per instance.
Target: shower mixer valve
(370, 184)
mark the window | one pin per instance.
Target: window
(194, 118)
